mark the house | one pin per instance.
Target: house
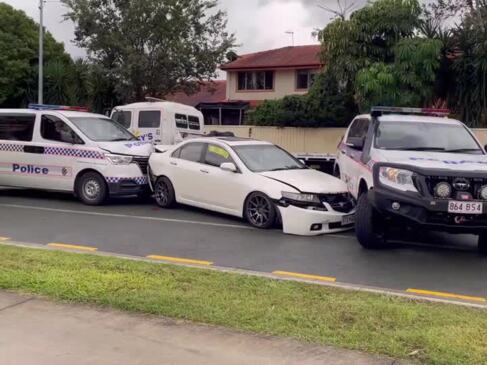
(253, 78)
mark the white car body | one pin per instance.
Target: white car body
(33, 161)
(356, 171)
(213, 188)
(160, 122)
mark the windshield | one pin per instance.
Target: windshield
(423, 136)
(102, 129)
(259, 158)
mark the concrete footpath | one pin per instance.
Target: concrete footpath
(37, 331)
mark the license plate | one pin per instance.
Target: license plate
(465, 207)
(348, 219)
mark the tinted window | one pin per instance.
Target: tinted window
(181, 121)
(358, 129)
(17, 127)
(191, 152)
(54, 129)
(193, 122)
(216, 155)
(124, 118)
(150, 119)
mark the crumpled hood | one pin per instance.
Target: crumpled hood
(436, 160)
(308, 181)
(132, 148)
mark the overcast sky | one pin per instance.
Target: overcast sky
(258, 24)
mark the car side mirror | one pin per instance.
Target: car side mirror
(356, 143)
(228, 166)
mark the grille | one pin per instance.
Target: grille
(475, 184)
(342, 203)
(143, 162)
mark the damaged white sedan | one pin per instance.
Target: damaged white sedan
(251, 179)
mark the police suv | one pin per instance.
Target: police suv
(68, 149)
(417, 167)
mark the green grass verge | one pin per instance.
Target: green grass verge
(436, 333)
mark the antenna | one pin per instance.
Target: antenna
(292, 36)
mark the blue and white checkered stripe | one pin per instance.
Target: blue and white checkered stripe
(73, 152)
(7, 147)
(141, 180)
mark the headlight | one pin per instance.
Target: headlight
(119, 159)
(301, 197)
(397, 178)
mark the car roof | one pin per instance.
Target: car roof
(168, 105)
(231, 141)
(66, 113)
(413, 118)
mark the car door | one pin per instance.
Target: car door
(187, 171)
(59, 143)
(19, 164)
(223, 190)
(350, 156)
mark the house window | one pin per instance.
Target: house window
(304, 79)
(256, 80)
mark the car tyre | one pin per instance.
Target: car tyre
(260, 211)
(92, 189)
(369, 225)
(482, 243)
(164, 193)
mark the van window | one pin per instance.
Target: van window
(150, 119)
(193, 122)
(181, 121)
(122, 117)
(54, 129)
(17, 127)
(191, 152)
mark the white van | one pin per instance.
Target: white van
(160, 122)
(63, 149)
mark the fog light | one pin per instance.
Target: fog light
(443, 190)
(483, 192)
(316, 227)
(396, 206)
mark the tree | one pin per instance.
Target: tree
(152, 47)
(19, 57)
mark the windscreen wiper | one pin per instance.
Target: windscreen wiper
(464, 150)
(440, 149)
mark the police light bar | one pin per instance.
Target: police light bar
(58, 107)
(379, 110)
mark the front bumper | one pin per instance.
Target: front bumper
(127, 186)
(305, 222)
(423, 209)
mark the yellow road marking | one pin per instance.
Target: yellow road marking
(72, 247)
(446, 295)
(304, 276)
(180, 260)
(4, 238)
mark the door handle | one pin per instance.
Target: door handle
(204, 171)
(343, 152)
(173, 163)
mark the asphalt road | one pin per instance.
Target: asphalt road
(435, 262)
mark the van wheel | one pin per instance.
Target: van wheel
(92, 189)
(164, 193)
(369, 225)
(260, 211)
(482, 243)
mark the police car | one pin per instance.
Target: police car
(68, 149)
(417, 167)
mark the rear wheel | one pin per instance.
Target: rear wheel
(92, 189)
(482, 243)
(369, 225)
(164, 193)
(260, 211)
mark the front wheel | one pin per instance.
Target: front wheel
(260, 211)
(92, 189)
(482, 243)
(369, 225)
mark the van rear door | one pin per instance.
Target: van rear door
(149, 126)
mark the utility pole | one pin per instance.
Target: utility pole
(40, 99)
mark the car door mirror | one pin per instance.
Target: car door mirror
(356, 143)
(228, 166)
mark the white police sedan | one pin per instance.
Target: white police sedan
(251, 179)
